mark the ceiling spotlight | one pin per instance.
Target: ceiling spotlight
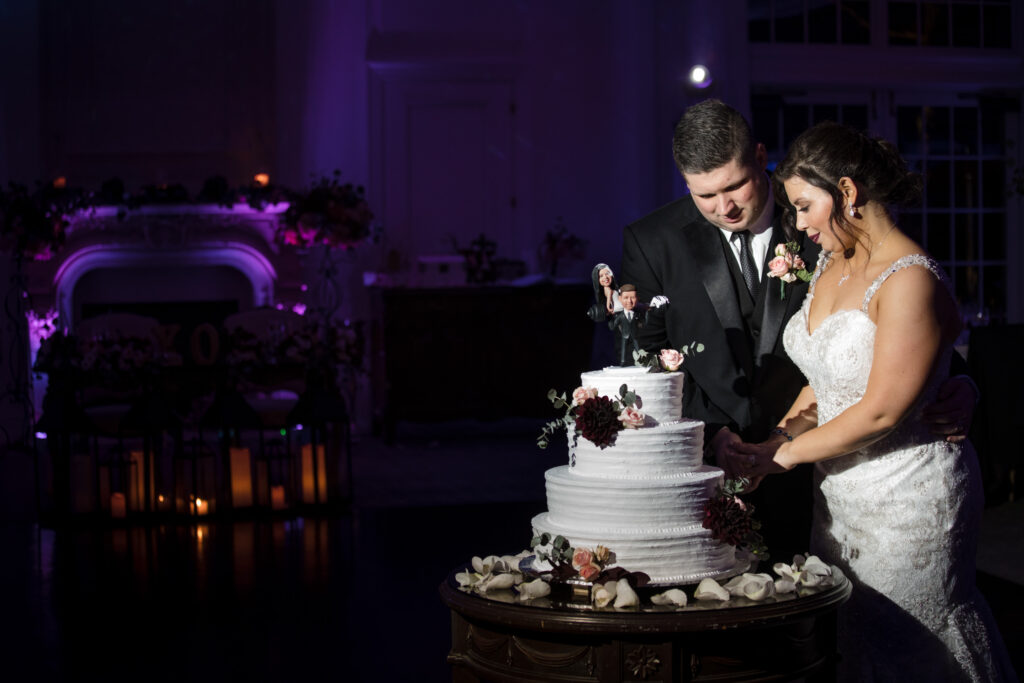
(700, 76)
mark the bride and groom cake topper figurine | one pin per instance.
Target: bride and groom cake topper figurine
(620, 307)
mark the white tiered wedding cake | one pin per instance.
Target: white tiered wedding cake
(643, 495)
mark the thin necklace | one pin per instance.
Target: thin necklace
(878, 244)
(845, 277)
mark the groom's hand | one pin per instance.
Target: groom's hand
(723, 445)
(952, 411)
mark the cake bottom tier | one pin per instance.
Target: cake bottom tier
(668, 556)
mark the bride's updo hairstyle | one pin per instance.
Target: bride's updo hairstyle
(828, 151)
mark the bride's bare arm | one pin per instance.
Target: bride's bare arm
(913, 321)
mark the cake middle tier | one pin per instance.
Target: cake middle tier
(646, 453)
(597, 504)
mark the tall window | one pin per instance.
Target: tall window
(946, 23)
(932, 23)
(960, 150)
(809, 21)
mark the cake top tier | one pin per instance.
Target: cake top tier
(660, 394)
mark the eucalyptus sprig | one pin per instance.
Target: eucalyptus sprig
(554, 426)
(559, 552)
(643, 359)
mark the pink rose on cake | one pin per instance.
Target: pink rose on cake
(671, 359)
(631, 417)
(589, 572)
(581, 557)
(581, 394)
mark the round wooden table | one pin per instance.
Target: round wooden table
(496, 638)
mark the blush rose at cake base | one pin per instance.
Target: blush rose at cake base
(642, 493)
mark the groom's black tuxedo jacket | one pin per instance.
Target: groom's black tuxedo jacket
(743, 379)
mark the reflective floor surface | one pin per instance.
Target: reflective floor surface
(351, 596)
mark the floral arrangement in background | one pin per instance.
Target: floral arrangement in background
(314, 346)
(731, 520)
(115, 361)
(559, 245)
(33, 224)
(596, 418)
(331, 213)
(41, 325)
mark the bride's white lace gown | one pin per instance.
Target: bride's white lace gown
(899, 517)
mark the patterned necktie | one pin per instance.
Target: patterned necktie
(747, 263)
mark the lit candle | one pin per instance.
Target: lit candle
(202, 506)
(277, 501)
(308, 490)
(137, 479)
(118, 506)
(241, 478)
(262, 179)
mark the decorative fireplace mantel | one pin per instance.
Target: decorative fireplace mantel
(153, 252)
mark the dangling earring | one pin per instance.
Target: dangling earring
(853, 211)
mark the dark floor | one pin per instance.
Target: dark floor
(352, 596)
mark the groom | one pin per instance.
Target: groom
(707, 252)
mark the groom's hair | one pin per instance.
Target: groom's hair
(709, 135)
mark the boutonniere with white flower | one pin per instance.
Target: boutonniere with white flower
(788, 266)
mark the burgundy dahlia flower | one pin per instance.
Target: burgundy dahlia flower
(598, 420)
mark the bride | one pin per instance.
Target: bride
(896, 508)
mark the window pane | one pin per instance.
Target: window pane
(939, 236)
(789, 21)
(794, 122)
(759, 20)
(966, 25)
(936, 129)
(856, 22)
(765, 110)
(997, 26)
(965, 183)
(966, 288)
(966, 237)
(936, 183)
(824, 112)
(908, 126)
(993, 186)
(994, 233)
(935, 23)
(965, 130)
(821, 22)
(995, 294)
(855, 115)
(992, 130)
(902, 23)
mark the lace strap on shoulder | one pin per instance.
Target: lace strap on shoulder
(899, 264)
